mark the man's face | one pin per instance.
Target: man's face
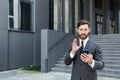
(83, 31)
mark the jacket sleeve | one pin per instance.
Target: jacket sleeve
(68, 60)
(99, 64)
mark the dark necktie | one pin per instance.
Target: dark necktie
(82, 45)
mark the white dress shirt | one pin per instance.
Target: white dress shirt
(84, 44)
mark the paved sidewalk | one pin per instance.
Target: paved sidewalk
(19, 74)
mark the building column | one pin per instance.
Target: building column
(73, 16)
(92, 16)
(76, 12)
(89, 13)
(60, 15)
(107, 17)
(119, 18)
(56, 15)
(86, 9)
(67, 16)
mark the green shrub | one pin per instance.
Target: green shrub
(32, 68)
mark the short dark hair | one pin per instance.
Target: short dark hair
(82, 22)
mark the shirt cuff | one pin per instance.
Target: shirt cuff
(71, 55)
(92, 65)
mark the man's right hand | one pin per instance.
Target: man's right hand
(75, 47)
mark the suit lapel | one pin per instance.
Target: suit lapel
(88, 45)
(78, 42)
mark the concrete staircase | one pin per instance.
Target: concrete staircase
(110, 45)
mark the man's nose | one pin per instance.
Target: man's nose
(83, 31)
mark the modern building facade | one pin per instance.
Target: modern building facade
(103, 15)
(21, 22)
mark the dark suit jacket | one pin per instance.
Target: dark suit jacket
(81, 70)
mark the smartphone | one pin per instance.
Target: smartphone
(85, 51)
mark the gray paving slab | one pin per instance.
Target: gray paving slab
(19, 74)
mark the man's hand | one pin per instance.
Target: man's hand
(75, 47)
(88, 58)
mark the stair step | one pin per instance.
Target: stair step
(109, 75)
(55, 69)
(108, 66)
(111, 58)
(111, 51)
(111, 48)
(105, 58)
(115, 65)
(106, 43)
(63, 66)
(111, 55)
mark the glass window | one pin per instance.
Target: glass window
(11, 23)
(99, 24)
(11, 14)
(11, 7)
(25, 16)
(112, 28)
(20, 9)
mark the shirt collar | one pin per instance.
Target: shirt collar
(84, 41)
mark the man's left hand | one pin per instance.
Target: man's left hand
(88, 58)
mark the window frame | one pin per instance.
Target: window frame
(17, 15)
(98, 23)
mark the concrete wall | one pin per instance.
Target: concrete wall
(41, 22)
(3, 49)
(3, 34)
(53, 46)
(3, 14)
(21, 49)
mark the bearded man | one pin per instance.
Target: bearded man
(85, 63)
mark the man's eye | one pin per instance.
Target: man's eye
(80, 29)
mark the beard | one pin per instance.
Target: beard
(83, 36)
